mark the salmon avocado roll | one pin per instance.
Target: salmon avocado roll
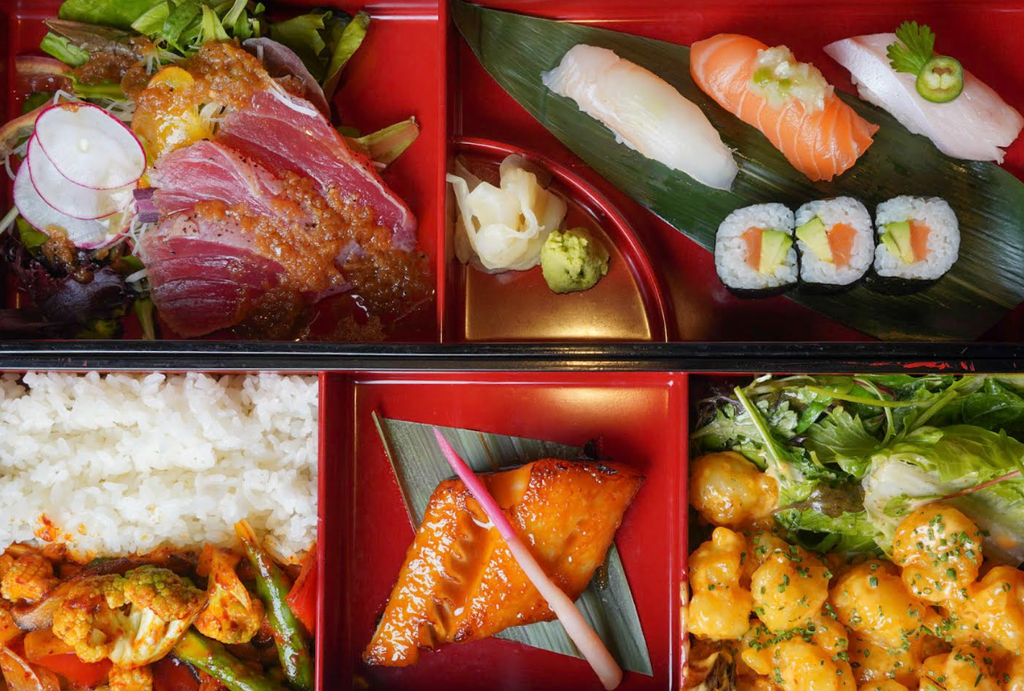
(918, 242)
(835, 241)
(754, 253)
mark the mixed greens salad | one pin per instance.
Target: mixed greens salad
(854, 455)
(103, 52)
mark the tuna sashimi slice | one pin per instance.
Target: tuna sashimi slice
(283, 132)
(208, 171)
(204, 276)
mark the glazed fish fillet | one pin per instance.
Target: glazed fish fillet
(975, 126)
(460, 582)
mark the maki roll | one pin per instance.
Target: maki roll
(919, 241)
(836, 243)
(754, 253)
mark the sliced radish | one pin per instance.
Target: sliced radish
(89, 146)
(44, 217)
(67, 197)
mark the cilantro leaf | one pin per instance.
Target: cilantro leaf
(914, 47)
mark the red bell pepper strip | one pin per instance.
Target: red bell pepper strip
(68, 665)
(302, 597)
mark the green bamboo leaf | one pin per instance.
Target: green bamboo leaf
(607, 603)
(982, 287)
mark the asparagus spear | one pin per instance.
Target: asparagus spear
(214, 659)
(272, 587)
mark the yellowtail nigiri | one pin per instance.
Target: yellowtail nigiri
(645, 112)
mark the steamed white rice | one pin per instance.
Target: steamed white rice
(731, 250)
(943, 240)
(832, 211)
(128, 463)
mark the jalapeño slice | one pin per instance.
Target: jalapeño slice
(941, 79)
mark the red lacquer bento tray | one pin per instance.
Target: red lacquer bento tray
(640, 419)
(415, 63)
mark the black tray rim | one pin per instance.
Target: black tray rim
(951, 358)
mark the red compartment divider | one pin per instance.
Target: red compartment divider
(642, 420)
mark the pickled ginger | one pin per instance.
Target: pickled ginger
(644, 112)
(503, 228)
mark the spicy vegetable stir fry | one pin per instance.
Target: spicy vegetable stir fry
(863, 535)
(163, 621)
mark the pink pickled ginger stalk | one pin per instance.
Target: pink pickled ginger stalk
(586, 640)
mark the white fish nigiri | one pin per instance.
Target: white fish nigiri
(645, 113)
(975, 126)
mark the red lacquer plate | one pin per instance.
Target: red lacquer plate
(625, 305)
(641, 420)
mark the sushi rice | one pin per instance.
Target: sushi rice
(832, 211)
(731, 250)
(943, 240)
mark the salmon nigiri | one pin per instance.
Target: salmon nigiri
(789, 101)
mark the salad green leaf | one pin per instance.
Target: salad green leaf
(119, 13)
(854, 455)
(976, 470)
(386, 145)
(842, 439)
(995, 406)
(819, 532)
(64, 50)
(151, 22)
(304, 35)
(324, 40)
(181, 27)
(351, 37)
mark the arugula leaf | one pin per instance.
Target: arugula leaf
(346, 45)
(842, 439)
(64, 50)
(917, 48)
